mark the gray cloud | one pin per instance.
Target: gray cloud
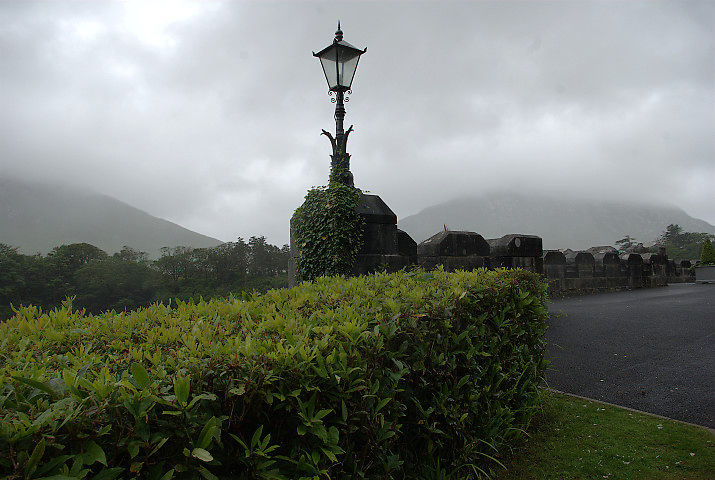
(209, 114)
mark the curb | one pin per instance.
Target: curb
(711, 430)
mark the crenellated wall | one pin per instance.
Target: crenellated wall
(585, 272)
(568, 272)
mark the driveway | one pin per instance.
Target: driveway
(648, 349)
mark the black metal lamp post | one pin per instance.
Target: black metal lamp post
(339, 61)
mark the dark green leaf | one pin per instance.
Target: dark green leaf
(36, 384)
(37, 453)
(207, 433)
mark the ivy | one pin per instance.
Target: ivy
(328, 229)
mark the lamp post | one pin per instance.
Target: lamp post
(339, 61)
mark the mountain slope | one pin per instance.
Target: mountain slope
(562, 223)
(37, 218)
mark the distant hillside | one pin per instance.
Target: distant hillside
(562, 223)
(37, 218)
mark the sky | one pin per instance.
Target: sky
(209, 113)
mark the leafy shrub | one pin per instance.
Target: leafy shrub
(370, 377)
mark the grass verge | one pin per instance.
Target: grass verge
(579, 439)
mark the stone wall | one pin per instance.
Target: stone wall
(584, 272)
(603, 268)
(567, 273)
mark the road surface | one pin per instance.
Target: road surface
(648, 349)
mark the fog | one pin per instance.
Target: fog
(209, 114)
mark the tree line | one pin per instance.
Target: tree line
(679, 244)
(682, 245)
(128, 279)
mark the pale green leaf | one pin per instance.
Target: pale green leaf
(201, 454)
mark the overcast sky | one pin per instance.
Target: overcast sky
(209, 113)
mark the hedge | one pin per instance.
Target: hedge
(381, 376)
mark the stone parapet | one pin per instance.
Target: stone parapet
(369, 263)
(451, 264)
(454, 244)
(388, 248)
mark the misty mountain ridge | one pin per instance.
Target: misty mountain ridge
(562, 222)
(37, 217)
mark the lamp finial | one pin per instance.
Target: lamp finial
(338, 34)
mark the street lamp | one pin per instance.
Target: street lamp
(339, 61)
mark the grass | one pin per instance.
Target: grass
(579, 439)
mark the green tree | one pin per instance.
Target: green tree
(128, 279)
(71, 257)
(12, 279)
(672, 233)
(114, 284)
(175, 267)
(62, 263)
(128, 254)
(229, 262)
(707, 255)
(265, 260)
(681, 245)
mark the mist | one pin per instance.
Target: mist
(209, 114)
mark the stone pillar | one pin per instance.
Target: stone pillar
(517, 250)
(610, 262)
(384, 246)
(555, 270)
(383, 243)
(585, 264)
(634, 263)
(454, 251)
(554, 264)
(659, 263)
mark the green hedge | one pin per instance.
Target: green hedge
(383, 376)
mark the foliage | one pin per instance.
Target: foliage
(369, 377)
(115, 283)
(577, 438)
(62, 263)
(707, 255)
(12, 277)
(129, 280)
(328, 231)
(680, 245)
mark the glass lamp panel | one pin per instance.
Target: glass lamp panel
(347, 71)
(330, 69)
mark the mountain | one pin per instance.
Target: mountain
(36, 218)
(562, 222)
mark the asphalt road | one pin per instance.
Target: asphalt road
(649, 349)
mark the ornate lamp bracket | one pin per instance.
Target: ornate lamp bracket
(339, 142)
(330, 137)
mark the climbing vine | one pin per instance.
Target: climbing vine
(328, 230)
